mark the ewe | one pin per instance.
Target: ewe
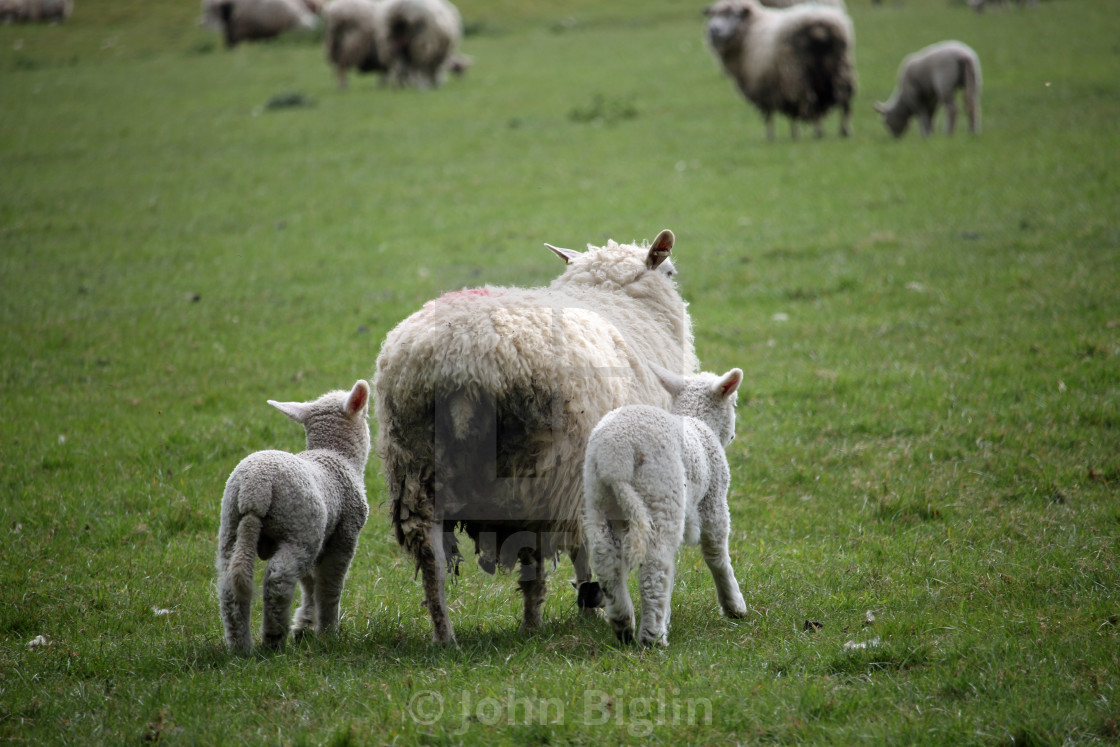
(796, 61)
(485, 399)
(248, 20)
(929, 77)
(300, 512)
(653, 479)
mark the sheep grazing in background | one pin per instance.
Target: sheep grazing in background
(355, 37)
(485, 399)
(300, 512)
(797, 61)
(410, 42)
(653, 479)
(249, 20)
(789, 3)
(930, 77)
(30, 11)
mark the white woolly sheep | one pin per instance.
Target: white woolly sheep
(930, 77)
(249, 20)
(653, 479)
(789, 3)
(24, 11)
(797, 61)
(300, 512)
(485, 399)
(410, 42)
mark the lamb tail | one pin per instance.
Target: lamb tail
(637, 535)
(244, 555)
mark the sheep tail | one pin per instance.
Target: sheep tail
(244, 555)
(637, 535)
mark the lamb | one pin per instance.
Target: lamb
(929, 77)
(485, 399)
(24, 11)
(652, 479)
(300, 512)
(410, 42)
(797, 61)
(248, 20)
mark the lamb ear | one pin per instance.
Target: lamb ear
(565, 254)
(880, 107)
(671, 381)
(297, 411)
(358, 399)
(728, 383)
(659, 251)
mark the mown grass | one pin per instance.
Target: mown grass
(930, 331)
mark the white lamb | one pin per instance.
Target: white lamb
(932, 76)
(485, 399)
(300, 512)
(652, 479)
(797, 61)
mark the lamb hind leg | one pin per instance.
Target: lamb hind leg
(655, 579)
(534, 588)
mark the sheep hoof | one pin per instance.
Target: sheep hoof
(625, 635)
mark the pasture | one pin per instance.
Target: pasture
(926, 480)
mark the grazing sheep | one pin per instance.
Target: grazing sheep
(24, 11)
(978, 5)
(249, 20)
(796, 61)
(789, 3)
(485, 399)
(929, 77)
(410, 42)
(355, 37)
(300, 512)
(653, 479)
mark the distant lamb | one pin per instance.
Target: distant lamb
(410, 42)
(25, 11)
(300, 512)
(249, 20)
(653, 479)
(797, 61)
(929, 77)
(485, 399)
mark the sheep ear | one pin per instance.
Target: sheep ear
(297, 411)
(728, 383)
(880, 107)
(358, 399)
(659, 251)
(565, 254)
(671, 381)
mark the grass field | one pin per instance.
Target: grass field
(930, 432)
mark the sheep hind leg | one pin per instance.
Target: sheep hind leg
(589, 594)
(713, 546)
(534, 588)
(655, 580)
(284, 570)
(305, 615)
(950, 116)
(433, 569)
(235, 619)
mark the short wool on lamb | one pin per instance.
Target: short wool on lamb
(300, 512)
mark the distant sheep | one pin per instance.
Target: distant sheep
(789, 3)
(653, 479)
(485, 399)
(410, 42)
(300, 512)
(931, 77)
(797, 61)
(25, 11)
(249, 20)
(978, 5)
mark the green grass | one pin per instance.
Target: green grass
(930, 331)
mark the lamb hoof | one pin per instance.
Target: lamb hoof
(626, 635)
(737, 614)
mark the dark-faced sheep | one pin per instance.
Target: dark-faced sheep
(929, 78)
(485, 399)
(250, 20)
(31, 11)
(796, 61)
